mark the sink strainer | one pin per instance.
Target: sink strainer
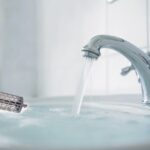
(11, 102)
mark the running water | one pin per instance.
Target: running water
(86, 71)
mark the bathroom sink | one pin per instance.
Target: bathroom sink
(106, 122)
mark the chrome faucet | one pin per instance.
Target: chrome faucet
(140, 61)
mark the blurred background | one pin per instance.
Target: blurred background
(41, 42)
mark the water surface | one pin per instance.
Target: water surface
(53, 126)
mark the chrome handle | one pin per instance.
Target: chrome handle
(126, 70)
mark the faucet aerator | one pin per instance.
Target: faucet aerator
(90, 54)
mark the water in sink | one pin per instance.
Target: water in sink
(52, 126)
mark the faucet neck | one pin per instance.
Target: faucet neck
(137, 57)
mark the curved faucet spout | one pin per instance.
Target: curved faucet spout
(139, 60)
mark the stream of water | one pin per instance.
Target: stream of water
(81, 88)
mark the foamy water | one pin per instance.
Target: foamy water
(51, 126)
(83, 81)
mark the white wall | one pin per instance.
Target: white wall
(67, 26)
(48, 35)
(18, 47)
